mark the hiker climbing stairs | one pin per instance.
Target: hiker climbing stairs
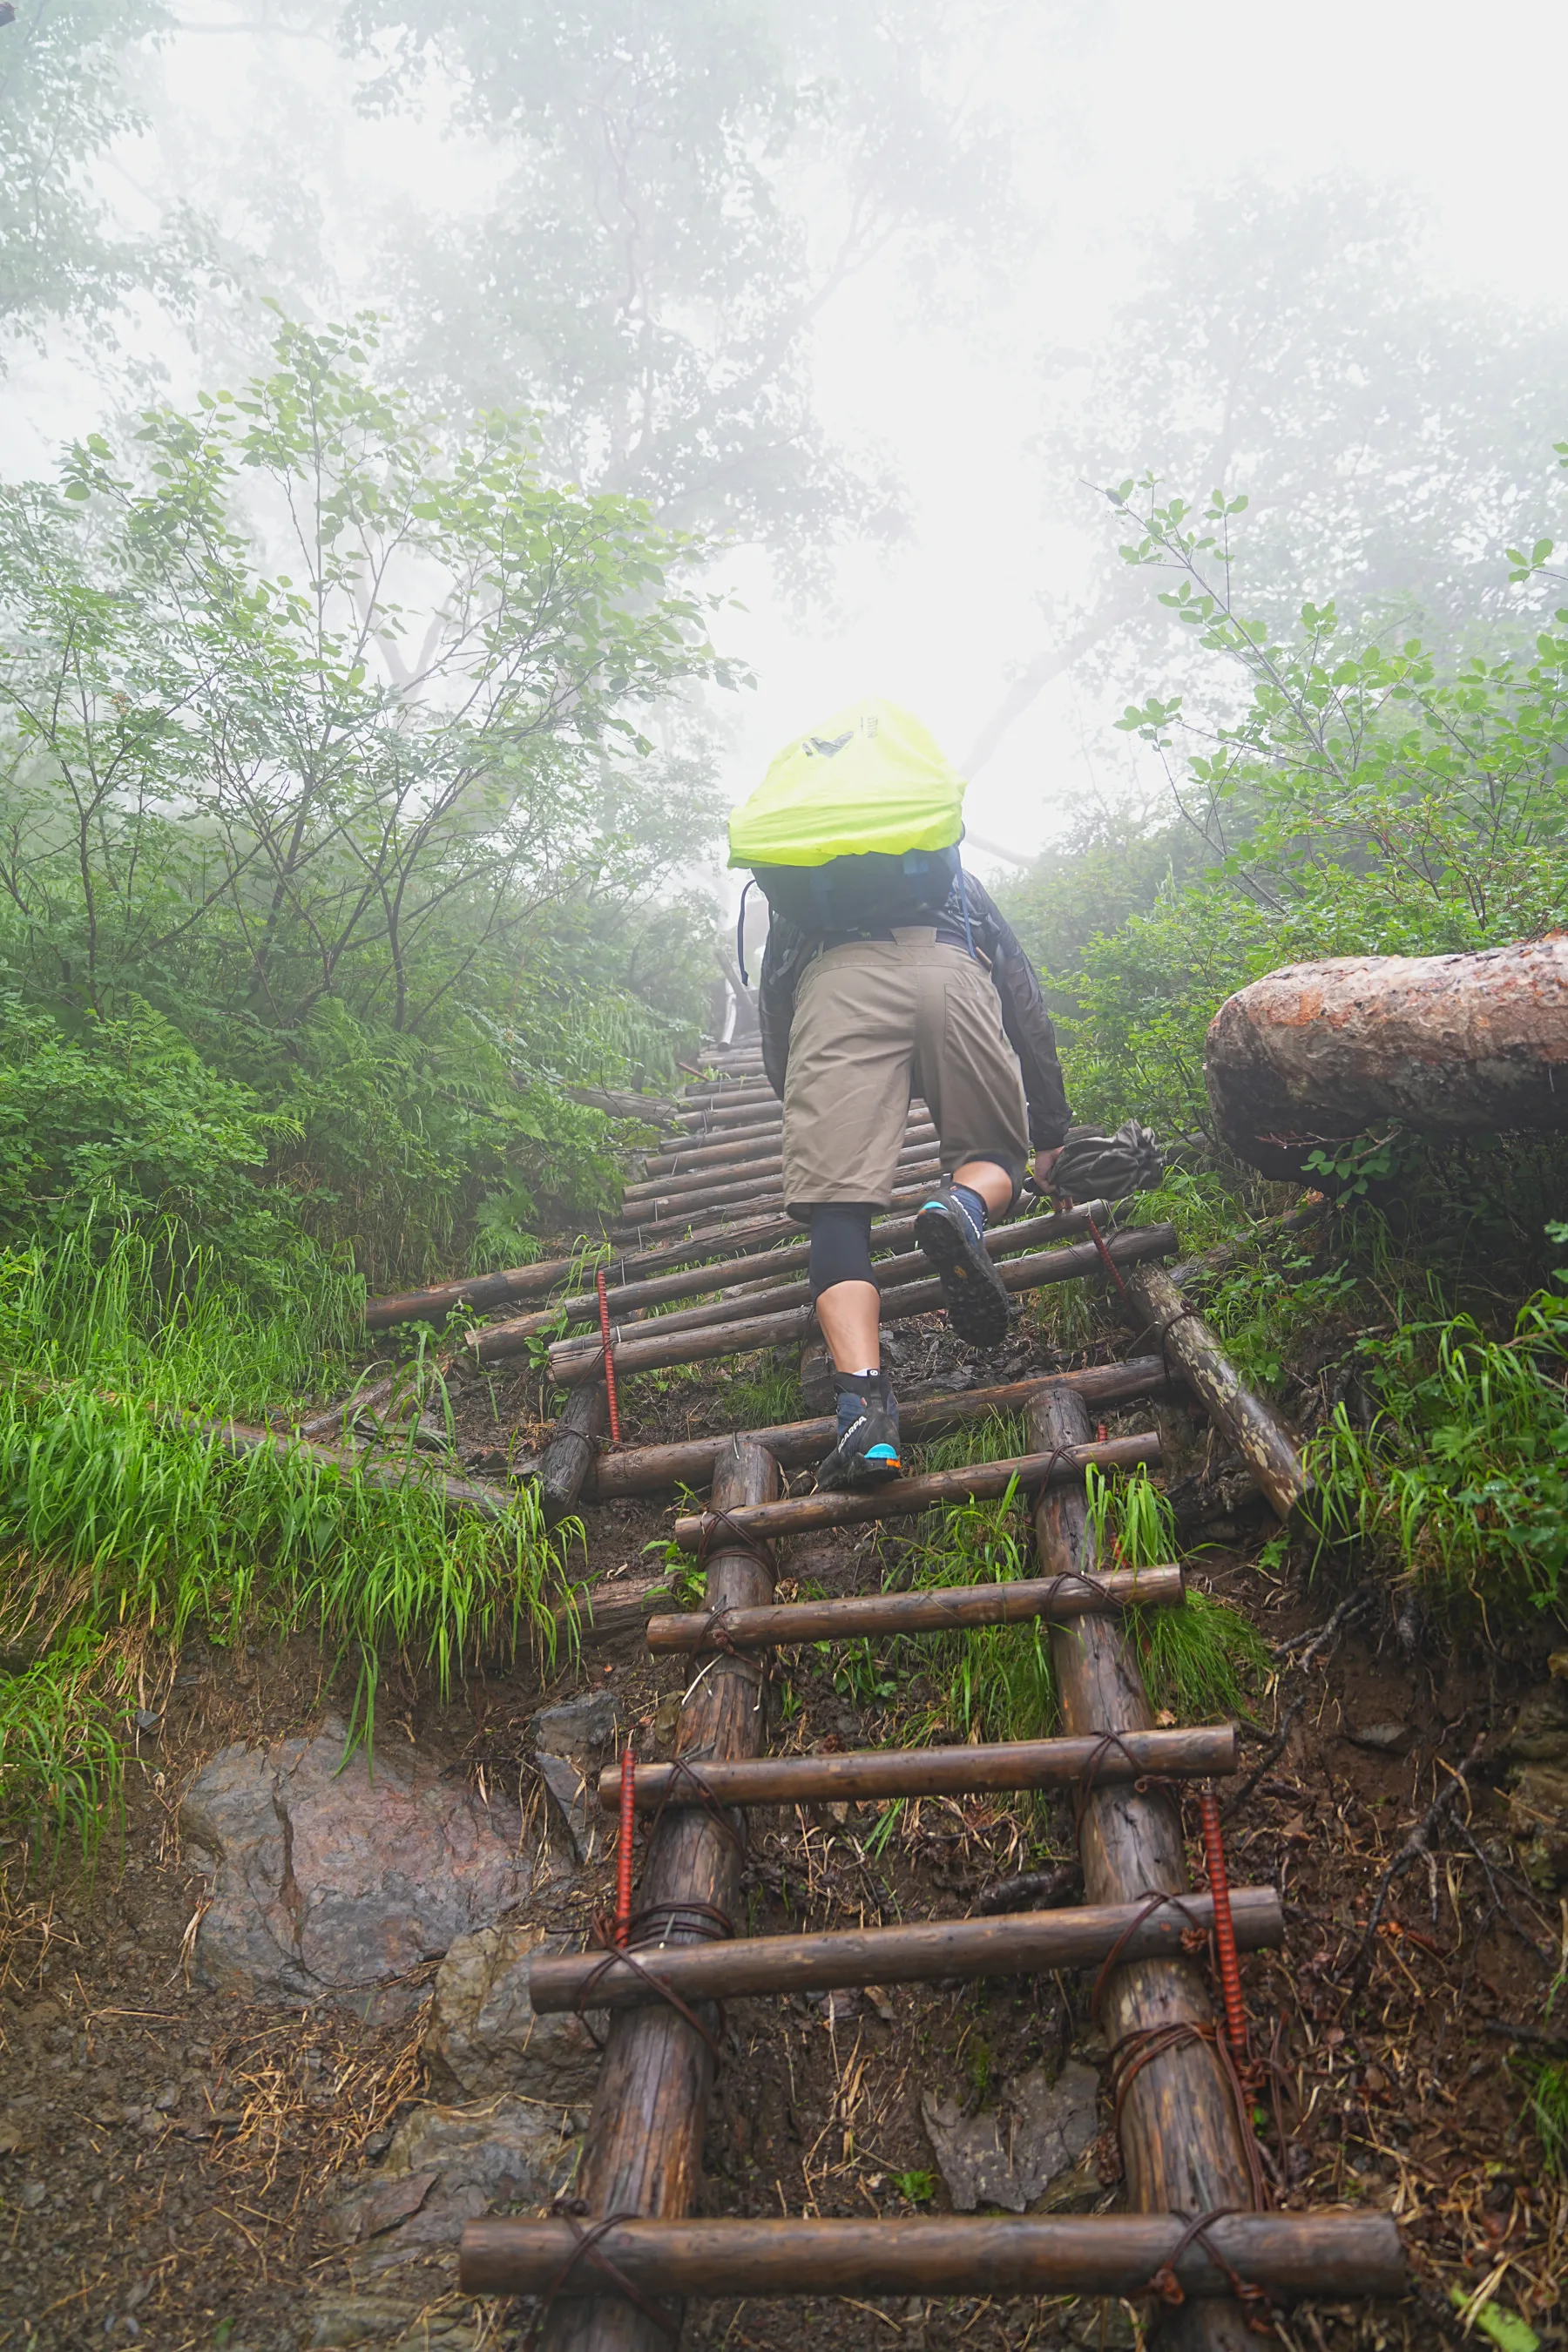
(613, 2266)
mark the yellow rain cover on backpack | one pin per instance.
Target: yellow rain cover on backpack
(871, 780)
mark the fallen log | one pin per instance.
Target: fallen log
(1157, 1309)
(627, 1299)
(459, 1495)
(941, 1609)
(866, 1775)
(643, 2149)
(1332, 2254)
(1181, 2136)
(581, 1359)
(649, 1469)
(1312, 1056)
(1026, 1943)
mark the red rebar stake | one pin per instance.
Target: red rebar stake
(624, 1849)
(1224, 1925)
(610, 1397)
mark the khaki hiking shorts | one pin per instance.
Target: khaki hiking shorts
(876, 1022)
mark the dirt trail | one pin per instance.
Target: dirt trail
(174, 2161)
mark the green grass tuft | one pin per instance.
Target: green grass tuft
(126, 1524)
(1461, 1481)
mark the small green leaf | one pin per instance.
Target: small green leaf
(1505, 2327)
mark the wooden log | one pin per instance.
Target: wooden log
(1181, 2138)
(753, 1143)
(643, 2151)
(1022, 1943)
(863, 1775)
(569, 1455)
(762, 1186)
(751, 1088)
(937, 1611)
(649, 1469)
(458, 1494)
(757, 1172)
(1316, 1054)
(720, 1224)
(1333, 2255)
(499, 1339)
(755, 1298)
(978, 1482)
(1157, 1309)
(580, 1359)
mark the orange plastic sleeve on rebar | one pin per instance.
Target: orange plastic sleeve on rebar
(624, 1849)
(610, 1397)
(1224, 1925)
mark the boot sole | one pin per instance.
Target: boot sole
(978, 1306)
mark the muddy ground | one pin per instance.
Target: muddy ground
(170, 2160)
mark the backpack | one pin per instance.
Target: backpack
(855, 827)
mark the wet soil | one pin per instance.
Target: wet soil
(170, 2160)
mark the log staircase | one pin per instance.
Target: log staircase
(1200, 2244)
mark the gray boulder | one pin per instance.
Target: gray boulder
(450, 2165)
(571, 1742)
(335, 1882)
(483, 2036)
(1010, 2155)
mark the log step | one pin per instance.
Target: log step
(981, 1482)
(714, 1269)
(646, 1469)
(1025, 1943)
(1287, 2254)
(872, 1773)
(939, 1610)
(740, 1148)
(581, 1359)
(764, 1188)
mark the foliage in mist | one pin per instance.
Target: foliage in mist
(343, 780)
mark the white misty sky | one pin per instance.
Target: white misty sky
(1147, 105)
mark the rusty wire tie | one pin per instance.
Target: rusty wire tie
(681, 1770)
(1194, 1938)
(1140, 2048)
(1142, 1782)
(588, 2249)
(704, 1923)
(1257, 2308)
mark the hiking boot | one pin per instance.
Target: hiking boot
(867, 1449)
(978, 1305)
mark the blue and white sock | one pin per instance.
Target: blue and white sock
(973, 1207)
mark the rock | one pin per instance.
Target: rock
(383, 2206)
(577, 1726)
(483, 2036)
(571, 1742)
(1010, 2155)
(342, 2319)
(1385, 1738)
(1540, 1734)
(574, 1803)
(450, 2165)
(1079, 2190)
(331, 1883)
(1538, 1795)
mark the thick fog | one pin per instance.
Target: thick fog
(998, 256)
